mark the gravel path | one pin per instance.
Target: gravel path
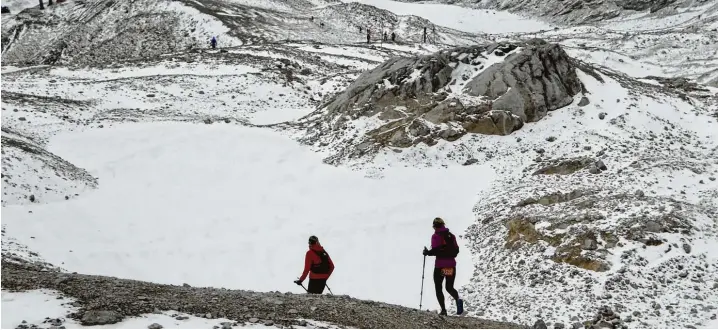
(132, 298)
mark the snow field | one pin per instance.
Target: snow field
(232, 207)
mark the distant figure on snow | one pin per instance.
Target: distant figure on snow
(213, 42)
(368, 36)
(318, 265)
(311, 19)
(425, 34)
(445, 248)
(321, 24)
(393, 37)
(360, 29)
(385, 36)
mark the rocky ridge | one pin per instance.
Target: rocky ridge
(107, 300)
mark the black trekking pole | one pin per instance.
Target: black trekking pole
(328, 288)
(423, 268)
(305, 289)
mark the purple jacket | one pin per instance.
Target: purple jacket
(438, 241)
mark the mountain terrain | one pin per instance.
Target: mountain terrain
(571, 146)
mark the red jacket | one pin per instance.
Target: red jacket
(312, 258)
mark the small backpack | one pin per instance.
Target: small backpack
(448, 249)
(323, 266)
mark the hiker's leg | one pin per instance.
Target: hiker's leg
(450, 285)
(316, 286)
(438, 278)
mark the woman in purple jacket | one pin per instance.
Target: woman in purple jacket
(445, 248)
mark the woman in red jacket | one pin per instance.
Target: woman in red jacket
(318, 265)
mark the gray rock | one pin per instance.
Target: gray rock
(640, 193)
(589, 244)
(302, 323)
(686, 248)
(292, 311)
(584, 102)
(636, 313)
(181, 318)
(576, 325)
(653, 227)
(100, 317)
(471, 161)
(602, 115)
(593, 169)
(601, 166)
(603, 325)
(531, 93)
(253, 320)
(558, 326)
(540, 324)
(269, 323)
(226, 325)
(150, 95)
(155, 326)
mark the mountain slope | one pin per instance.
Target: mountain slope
(134, 298)
(95, 32)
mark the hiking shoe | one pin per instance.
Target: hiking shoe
(459, 307)
(443, 312)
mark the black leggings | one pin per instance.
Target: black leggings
(316, 286)
(438, 278)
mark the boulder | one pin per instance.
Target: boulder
(530, 83)
(100, 318)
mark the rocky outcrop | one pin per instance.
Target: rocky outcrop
(445, 95)
(530, 83)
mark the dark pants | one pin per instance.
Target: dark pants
(316, 286)
(438, 278)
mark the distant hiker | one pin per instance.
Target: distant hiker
(311, 18)
(360, 29)
(385, 36)
(321, 24)
(368, 36)
(445, 248)
(425, 34)
(213, 42)
(42, 5)
(393, 37)
(318, 265)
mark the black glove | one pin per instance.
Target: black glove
(425, 252)
(298, 282)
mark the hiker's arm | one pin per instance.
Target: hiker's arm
(307, 264)
(331, 266)
(435, 244)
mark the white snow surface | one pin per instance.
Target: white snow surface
(34, 307)
(190, 203)
(461, 18)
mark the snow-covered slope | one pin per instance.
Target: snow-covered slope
(96, 32)
(579, 173)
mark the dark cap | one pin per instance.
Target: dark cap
(438, 222)
(313, 240)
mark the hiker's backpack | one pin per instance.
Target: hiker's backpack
(323, 266)
(448, 249)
